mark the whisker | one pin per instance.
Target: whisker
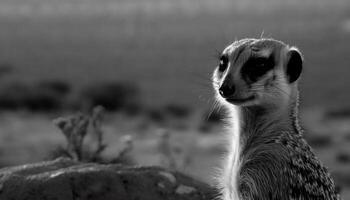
(200, 79)
(212, 107)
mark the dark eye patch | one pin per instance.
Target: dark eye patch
(223, 63)
(256, 67)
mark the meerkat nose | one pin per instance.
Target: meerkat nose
(226, 90)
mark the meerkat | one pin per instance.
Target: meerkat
(256, 82)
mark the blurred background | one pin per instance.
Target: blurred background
(149, 63)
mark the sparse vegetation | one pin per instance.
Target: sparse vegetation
(167, 153)
(75, 128)
(172, 156)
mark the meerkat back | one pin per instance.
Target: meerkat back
(268, 159)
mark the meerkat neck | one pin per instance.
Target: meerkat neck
(252, 127)
(260, 124)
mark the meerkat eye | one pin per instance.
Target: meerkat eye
(223, 63)
(256, 68)
(261, 62)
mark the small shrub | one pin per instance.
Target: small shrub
(171, 156)
(124, 155)
(165, 149)
(58, 152)
(76, 127)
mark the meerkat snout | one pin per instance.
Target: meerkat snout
(257, 71)
(227, 88)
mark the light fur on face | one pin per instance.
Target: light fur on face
(268, 89)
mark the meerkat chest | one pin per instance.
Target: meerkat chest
(231, 167)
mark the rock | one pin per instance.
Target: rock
(64, 179)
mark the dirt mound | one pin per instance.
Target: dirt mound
(68, 180)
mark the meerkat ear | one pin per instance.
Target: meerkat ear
(294, 64)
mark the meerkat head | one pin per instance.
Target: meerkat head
(257, 72)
